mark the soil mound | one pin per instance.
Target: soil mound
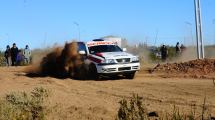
(196, 68)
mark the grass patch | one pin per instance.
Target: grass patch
(24, 106)
(133, 109)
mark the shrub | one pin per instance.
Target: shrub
(2, 59)
(178, 115)
(132, 109)
(23, 106)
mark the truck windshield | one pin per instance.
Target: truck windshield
(104, 48)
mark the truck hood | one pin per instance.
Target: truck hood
(116, 55)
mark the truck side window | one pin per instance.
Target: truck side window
(82, 47)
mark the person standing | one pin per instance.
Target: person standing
(27, 54)
(178, 49)
(182, 48)
(20, 58)
(7, 55)
(14, 52)
(164, 53)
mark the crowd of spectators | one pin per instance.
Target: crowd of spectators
(16, 57)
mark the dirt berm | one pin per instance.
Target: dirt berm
(201, 68)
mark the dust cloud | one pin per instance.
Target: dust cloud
(61, 62)
(190, 53)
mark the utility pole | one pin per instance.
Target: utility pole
(199, 36)
(214, 29)
(156, 37)
(191, 32)
(79, 34)
(200, 31)
(8, 38)
(45, 39)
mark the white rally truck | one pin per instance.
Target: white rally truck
(108, 59)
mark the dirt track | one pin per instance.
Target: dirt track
(99, 99)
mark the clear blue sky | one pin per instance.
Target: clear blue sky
(44, 22)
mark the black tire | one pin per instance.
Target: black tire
(130, 75)
(93, 74)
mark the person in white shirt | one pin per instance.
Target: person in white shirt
(27, 54)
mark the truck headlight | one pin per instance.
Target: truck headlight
(135, 59)
(108, 61)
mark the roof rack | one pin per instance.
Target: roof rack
(98, 40)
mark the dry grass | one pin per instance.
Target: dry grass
(133, 109)
(24, 106)
(2, 61)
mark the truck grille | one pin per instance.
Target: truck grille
(123, 60)
(124, 68)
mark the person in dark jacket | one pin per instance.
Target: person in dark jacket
(14, 52)
(7, 55)
(164, 53)
(177, 49)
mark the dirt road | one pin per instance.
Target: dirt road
(99, 99)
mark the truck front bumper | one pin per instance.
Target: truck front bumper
(118, 68)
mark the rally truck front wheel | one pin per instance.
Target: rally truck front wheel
(130, 75)
(93, 74)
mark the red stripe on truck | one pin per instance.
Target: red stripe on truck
(94, 59)
(99, 54)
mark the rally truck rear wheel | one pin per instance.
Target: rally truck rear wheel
(130, 75)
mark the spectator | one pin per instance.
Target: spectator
(7, 55)
(182, 48)
(178, 49)
(19, 58)
(164, 53)
(14, 52)
(27, 54)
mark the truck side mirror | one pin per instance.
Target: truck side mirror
(82, 52)
(124, 49)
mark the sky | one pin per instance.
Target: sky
(42, 23)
